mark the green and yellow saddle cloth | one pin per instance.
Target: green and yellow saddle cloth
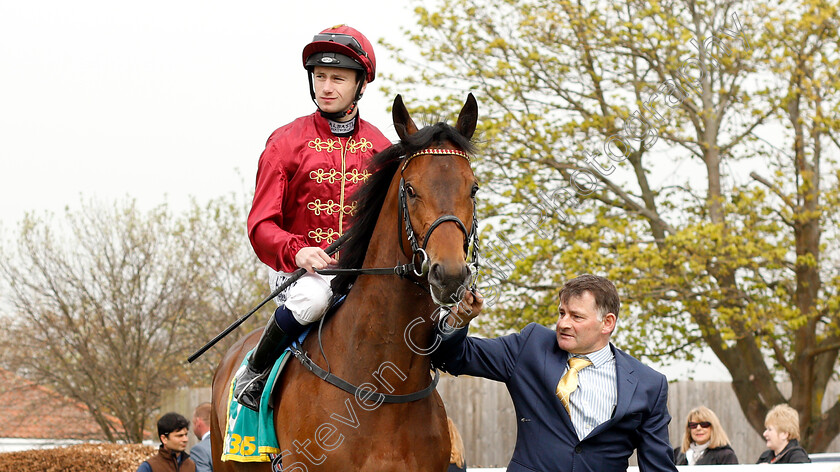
(250, 435)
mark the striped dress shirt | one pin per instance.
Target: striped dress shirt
(597, 394)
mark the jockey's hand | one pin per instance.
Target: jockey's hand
(311, 258)
(468, 308)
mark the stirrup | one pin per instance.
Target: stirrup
(249, 388)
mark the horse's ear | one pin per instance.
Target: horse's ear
(402, 121)
(468, 118)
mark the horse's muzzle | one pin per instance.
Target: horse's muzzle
(447, 282)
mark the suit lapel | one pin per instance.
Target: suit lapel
(626, 380)
(555, 364)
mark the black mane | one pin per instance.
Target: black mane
(371, 195)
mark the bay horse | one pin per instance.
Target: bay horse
(417, 209)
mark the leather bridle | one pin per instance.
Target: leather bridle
(418, 265)
(418, 252)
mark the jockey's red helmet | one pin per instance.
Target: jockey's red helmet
(341, 46)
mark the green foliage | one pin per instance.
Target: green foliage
(718, 223)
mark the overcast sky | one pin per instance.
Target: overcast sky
(158, 100)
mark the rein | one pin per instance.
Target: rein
(358, 391)
(418, 265)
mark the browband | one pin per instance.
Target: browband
(437, 152)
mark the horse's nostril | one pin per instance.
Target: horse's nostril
(439, 275)
(435, 272)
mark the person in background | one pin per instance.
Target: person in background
(200, 453)
(704, 441)
(457, 461)
(173, 431)
(782, 435)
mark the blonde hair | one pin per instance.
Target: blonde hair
(784, 419)
(456, 454)
(718, 437)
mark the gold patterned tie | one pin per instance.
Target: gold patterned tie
(569, 382)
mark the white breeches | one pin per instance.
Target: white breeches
(308, 298)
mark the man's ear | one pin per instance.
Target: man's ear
(609, 323)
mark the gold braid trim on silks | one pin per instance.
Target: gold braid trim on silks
(328, 145)
(330, 207)
(435, 152)
(332, 176)
(355, 177)
(321, 175)
(320, 234)
(361, 145)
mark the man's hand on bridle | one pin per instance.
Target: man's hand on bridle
(468, 308)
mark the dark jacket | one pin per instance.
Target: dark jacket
(165, 461)
(530, 363)
(791, 454)
(712, 456)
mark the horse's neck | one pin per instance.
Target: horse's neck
(387, 319)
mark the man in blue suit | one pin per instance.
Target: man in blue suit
(581, 404)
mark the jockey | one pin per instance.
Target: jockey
(305, 177)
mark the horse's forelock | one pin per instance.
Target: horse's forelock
(435, 135)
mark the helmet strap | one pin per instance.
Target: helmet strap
(339, 114)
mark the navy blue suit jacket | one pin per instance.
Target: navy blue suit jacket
(531, 363)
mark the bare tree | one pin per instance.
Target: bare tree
(107, 303)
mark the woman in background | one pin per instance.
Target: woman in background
(704, 441)
(782, 436)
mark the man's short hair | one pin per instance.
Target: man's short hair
(784, 419)
(203, 411)
(171, 422)
(606, 296)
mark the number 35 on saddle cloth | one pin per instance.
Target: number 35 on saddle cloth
(250, 435)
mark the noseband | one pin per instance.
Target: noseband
(419, 258)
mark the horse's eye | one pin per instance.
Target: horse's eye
(474, 190)
(409, 190)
